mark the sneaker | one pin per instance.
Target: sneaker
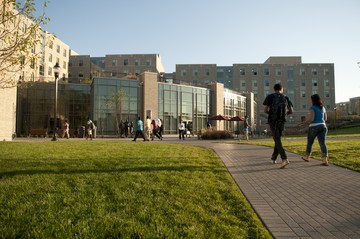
(284, 163)
(273, 161)
(305, 159)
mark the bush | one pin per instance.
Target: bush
(217, 135)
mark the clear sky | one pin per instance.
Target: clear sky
(217, 32)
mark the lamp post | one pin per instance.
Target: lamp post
(56, 73)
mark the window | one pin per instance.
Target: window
(266, 72)
(266, 83)
(70, 63)
(41, 70)
(114, 62)
(326, 72)
(22, 60)
(302, 94)
(64, 64)
(195, 72)
(148, 62)
(81, 62)
(254, 71)
(64, 52)
(183, 72)
(220, 73)
(327, 83)
(49, 71)
(207, 72)
(126, 62)
(303, 82)
(314, 72)
(24, 27)
(50, 57)
(32, 63)
(314, 82)
(51, 45)
(81, 75)
(302, 71)
(58, 48)
(254, 83)
(242, 71)
(278, 71)
(242, 83)
(113, 72)
(327, 94)
(137, 62)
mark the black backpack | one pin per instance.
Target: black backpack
(278, 108)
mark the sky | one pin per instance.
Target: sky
(216, 32)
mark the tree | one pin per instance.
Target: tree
(20, 35)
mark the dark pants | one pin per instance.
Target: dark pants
(139, 132)
(181, 134)
(277, 128)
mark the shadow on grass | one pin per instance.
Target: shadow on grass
(118, 170)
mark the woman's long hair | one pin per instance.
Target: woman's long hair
(316, 100)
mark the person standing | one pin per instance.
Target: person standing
(317, 128)
(66, 130)
(90, 126)
(139, 130)
(246, 128)
(181, 127)
(277, 106)
(147, 128)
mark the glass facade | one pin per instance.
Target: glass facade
(234, 105)
(114, 101)
(185, 103)
(36, 102)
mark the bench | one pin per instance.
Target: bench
(38, 132)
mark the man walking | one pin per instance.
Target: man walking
(139, 129)
(277, 106)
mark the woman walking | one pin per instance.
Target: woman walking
(317, 128)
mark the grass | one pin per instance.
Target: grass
(343, 149)
(83, 189)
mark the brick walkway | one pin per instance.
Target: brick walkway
(304, 200)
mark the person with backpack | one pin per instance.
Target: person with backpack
(277, 106)
(317, 128)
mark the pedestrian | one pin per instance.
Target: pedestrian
(139, 130)
(155, 130)
(147, 128)
(90, 126)
(277, 106)
(159, 123)
(181, 127)
(317, 128)
(66, 130)
(246, 127)
(126, 128)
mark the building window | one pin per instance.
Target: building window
(126, 62)
(242, 71)
(41, 70)
(148, 62)
(70, 63)
(81, 62)
(327, 94)
(327, 83)
(137, 62)
(326, 72)
(195, 72)
(32, 63)
(242, 83)
(266, 83)
(51, 45)
(114, 62)
(303, 83)
(49, 71)
(302, 71)
(58, 48)
(278, 71)
(207, 72)
(254, 71)
(24, 27)
(314, 72)
(266, 72)
(65, 52)
(183, 72)
(314, 82)
(254, 83)
(302, 94)
(113, 72)
(64, 64)
(50, 57)
(81, 75)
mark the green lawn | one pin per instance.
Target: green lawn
(98, 189)
(343, 149)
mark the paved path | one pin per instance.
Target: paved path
(304, 200)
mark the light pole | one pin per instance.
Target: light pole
(56, 73)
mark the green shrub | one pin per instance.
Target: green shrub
(217, 134)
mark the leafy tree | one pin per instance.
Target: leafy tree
(20, 34)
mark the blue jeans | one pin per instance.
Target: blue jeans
(320, 132)
(277, 128)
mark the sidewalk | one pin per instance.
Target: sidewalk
(304, 200)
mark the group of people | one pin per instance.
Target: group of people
(126, 128)
(277, 106)
(153, 128)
